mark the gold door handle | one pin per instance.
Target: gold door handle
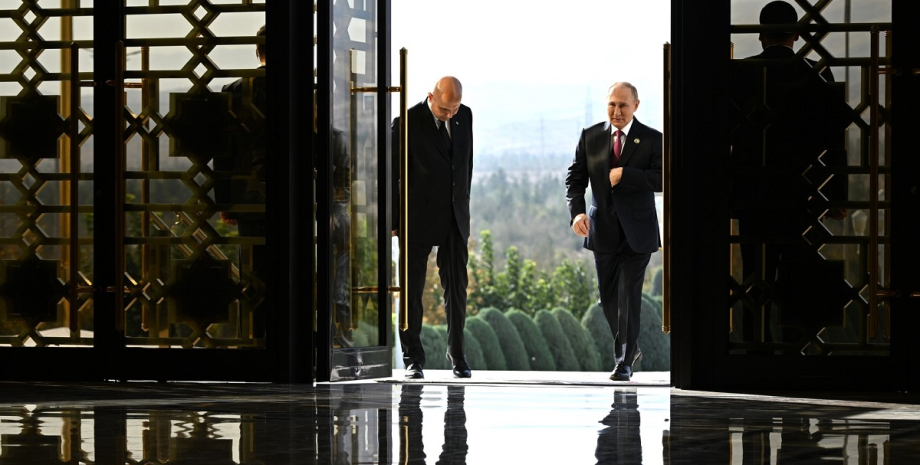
(74, 149)
(666, 197)
(119, 168)
(403, 226)
(404, 189)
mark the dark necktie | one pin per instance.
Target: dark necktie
(442, 129)
(617, 146)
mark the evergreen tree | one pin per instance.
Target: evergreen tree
(491, 348)
(596, 324)
(556, 341)
(541, 359)
(580, 339)
(515, 354)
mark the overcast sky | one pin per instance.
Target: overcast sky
(522, 59)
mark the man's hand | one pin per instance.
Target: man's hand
(581, 224)
(225, 217)
(615, 175)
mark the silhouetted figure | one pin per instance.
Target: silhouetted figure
(790, 123)
(341, 239)
(246, 164)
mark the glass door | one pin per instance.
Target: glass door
(354, 321)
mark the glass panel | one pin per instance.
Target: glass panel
(195, 147)
(46, 253)
(354, 158)
(801, 184)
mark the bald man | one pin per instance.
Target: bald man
(440, 172)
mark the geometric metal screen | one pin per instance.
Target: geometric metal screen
(809, 178)
(191, 279)
(46, 249)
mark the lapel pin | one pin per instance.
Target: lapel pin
(636, 140)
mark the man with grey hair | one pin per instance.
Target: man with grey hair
(621, 160)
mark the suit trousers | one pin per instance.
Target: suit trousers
(452, 260)
(620, 276)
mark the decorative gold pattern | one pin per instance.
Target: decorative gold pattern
(846, 248)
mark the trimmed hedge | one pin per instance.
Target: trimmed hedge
(435, 348)
(656, 345)
(556, 341)
(473, 350)
(596, 324)
(580, 339)
(488, 341)
(657, 278)
(515, 354)
(541, 359)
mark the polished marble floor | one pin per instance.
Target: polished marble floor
(510, 420)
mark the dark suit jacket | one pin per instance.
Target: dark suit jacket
(439, 183)
(245, 161)
(631, 203)
(786, 116)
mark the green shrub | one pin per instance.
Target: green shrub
(473, 350)
(541, 359)
(655, 345)
(515, 354)
(556, 341)
(657, 277)
(488, 341)
(580, 339)
(364, 336)
(596, 324)
(435, 348)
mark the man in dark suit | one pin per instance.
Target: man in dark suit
(621, 160)
(790, 121)
(440, 174)
(243, 173)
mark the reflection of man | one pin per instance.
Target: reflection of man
(790, 127)
(246, 161)
(620, 442)
(621, 160)
(455, 448)
(341, 238)
(410, 422)
(440, 173)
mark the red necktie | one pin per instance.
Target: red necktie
(617, 145)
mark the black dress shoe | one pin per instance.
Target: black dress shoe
(414, 371)
(461, 369)
(622, 373)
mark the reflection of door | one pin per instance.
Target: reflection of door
(111, 228)
(354, 296)
(801, 300)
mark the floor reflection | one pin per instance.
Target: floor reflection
(619, 441)
(454, 446)
(364, 423)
